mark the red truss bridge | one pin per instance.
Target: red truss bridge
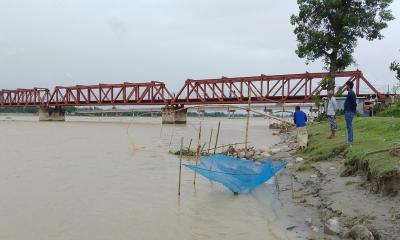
(288, 88)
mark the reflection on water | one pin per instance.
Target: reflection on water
(94, 179)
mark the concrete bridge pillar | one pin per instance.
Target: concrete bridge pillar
(173, 114)
(231, 113)
(51, 113)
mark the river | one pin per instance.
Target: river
(113, 178)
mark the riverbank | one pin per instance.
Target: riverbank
(340, 191)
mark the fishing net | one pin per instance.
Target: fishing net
(238, 175)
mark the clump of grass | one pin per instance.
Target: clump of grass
(185, 152)
(391, 111)
(348, 183)
(305, 166)
(370, 134)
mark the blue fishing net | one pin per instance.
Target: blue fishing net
(238, 175)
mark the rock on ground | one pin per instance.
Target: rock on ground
(360, 232)
(332, 226)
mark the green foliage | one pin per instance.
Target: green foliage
(329, 29)
(378, 108)
(395, 66)
(371, 134)
(390, 111)
(321, 117)
(69, 109)
(18, 109)
(316, 99)
(185, 152)
(305, 166)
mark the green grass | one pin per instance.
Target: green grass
(305, 166)
(388, 111)
(370, 134)
(393, 111)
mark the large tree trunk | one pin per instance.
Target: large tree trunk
(332, 72)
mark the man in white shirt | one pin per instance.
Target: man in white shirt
(331, 112)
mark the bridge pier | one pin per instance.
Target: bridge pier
(51, 113)
(173, 114)
(231, 113)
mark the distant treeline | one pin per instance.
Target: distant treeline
(68, 109)
(73, 111)
(18, 110)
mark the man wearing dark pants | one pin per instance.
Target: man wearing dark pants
(350, 108)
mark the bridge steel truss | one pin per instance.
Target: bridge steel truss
(290, 88)
(150, 93)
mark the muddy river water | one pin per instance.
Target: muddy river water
(98, 178)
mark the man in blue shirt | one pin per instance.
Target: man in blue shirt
(300, 119)
(350, 109)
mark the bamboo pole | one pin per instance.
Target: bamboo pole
(170, 142)
(291, 178)
(252, 110)
(276, 184)
(291, 183)
(180, 167)
(216, 139)
(202, 148)
(190, 144)
(209, 142)
(382, 150)
(246, 136)
(197, 153)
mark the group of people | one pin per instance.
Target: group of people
(350, 109)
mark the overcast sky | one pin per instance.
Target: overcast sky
(67, 42)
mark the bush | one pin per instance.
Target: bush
(389, 111)
(321, 117)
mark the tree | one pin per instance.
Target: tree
(329, 29)
(395, 66)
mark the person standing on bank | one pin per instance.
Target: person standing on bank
(300, 119)
(331, 112)
(350, 109)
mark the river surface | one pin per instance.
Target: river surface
(113, 178)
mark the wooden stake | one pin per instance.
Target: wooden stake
(216, 139)
(197, 153)
(209, 142)
(180, 167)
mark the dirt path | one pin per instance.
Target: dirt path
(325, 205)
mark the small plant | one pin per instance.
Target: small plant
(321, 117)
(305, 166)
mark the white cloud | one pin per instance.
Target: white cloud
(69, 42)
